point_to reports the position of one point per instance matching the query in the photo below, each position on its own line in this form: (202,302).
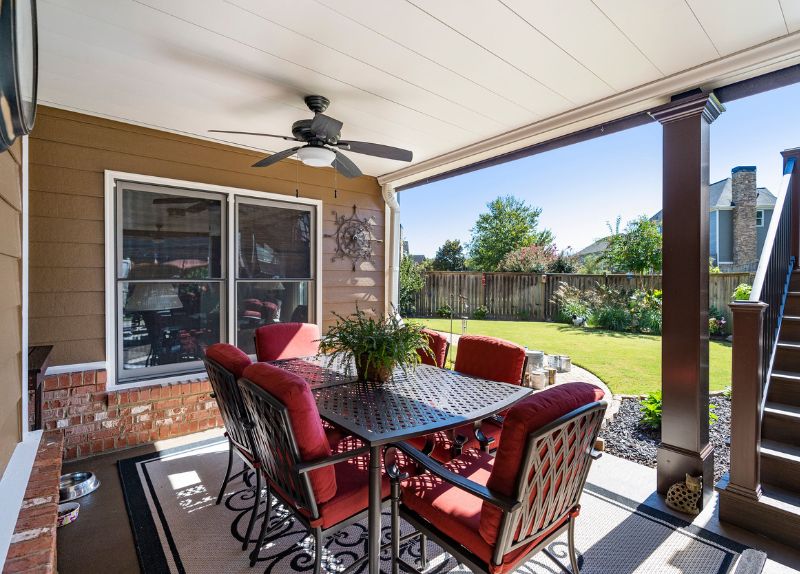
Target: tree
(637,249)
(450,257)
(509,225)
(411,283)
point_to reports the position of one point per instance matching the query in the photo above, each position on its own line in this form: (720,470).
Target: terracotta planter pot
(373,373)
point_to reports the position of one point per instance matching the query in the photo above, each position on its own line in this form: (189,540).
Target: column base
(674,463)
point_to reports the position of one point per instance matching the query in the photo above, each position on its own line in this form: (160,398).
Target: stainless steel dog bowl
(76,484)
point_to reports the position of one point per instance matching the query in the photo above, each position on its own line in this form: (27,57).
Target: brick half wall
(95,420)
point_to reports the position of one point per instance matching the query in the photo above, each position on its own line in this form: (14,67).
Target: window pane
(266,302)
(168,323)
(169,236)
(273,242)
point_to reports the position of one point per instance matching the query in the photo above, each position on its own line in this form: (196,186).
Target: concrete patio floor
(101,540)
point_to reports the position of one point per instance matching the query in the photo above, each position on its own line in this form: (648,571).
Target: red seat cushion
(530,414)
(490,358)
(229,357)
(312,442)
(352,491)
(438,344)
(456,513)
(286,341)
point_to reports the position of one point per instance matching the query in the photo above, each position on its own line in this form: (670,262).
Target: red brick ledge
(33,544)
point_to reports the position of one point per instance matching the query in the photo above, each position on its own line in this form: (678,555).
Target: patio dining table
(415,402)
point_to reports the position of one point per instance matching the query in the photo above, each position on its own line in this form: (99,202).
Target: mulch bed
(627,438)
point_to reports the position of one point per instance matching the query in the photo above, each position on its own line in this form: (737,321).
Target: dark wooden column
(684,344)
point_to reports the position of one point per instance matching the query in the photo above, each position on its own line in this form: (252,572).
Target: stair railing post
(747,389)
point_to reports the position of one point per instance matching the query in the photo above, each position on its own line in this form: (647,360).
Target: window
(760,218)
(188,273)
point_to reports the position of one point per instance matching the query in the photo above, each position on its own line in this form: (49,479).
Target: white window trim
(762,217)
(110,265)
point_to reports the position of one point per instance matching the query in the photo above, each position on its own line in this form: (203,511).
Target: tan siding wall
(10,302)
(69,153)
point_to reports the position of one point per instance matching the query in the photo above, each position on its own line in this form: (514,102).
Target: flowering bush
(530,259)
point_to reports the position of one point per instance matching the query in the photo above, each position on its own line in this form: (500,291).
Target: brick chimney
(743,196)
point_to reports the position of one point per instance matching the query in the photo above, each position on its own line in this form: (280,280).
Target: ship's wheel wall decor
(354,238)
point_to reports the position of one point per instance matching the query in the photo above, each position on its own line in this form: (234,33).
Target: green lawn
(628,363)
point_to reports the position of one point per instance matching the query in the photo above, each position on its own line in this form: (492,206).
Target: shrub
(524,315)
(742,292)
(570,302)
(480,312)
(717,325)
(652,406)
(444,311)
(612,309)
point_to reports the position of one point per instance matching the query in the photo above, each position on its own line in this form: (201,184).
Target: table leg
(374,521)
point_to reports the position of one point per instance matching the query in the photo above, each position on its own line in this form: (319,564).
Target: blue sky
(581,187)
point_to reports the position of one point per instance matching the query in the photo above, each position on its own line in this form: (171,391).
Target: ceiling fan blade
(287,138)
(276,157)
(325,127)
(377,150)
(345,165)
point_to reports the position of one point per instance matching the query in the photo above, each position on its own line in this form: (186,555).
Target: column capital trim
(705,104)
(748,306)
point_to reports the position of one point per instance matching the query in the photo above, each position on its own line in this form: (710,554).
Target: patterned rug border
(152,556)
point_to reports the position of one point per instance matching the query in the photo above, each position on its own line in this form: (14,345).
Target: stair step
(782,423)
(776,514)
(784,388)
(781,451)
(780,464)
(793,345)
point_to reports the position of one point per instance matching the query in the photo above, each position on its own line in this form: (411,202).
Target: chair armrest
(310,465)
(501,501)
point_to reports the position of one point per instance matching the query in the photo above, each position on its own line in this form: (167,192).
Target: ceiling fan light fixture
(316,156)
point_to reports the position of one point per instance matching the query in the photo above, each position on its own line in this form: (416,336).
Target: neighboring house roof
(418,259)
(720,197)
(598,246)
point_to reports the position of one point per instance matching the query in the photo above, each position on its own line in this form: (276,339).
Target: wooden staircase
(762,491)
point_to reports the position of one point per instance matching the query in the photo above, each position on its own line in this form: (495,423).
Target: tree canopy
(508,225)
(637,249)
(450,257)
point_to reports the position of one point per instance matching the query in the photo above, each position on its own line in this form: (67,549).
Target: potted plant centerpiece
(374,345)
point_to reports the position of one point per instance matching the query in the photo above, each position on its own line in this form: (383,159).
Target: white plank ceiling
(431,76)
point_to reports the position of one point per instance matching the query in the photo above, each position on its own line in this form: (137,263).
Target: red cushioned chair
(493,513)
(326,491)
(438,349)
(225,364)
(488,358)
(286,341)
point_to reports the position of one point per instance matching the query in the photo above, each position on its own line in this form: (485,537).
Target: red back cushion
(286,341)
(294,393)
(490,358)
(229,357)
(525,417)
(438,344)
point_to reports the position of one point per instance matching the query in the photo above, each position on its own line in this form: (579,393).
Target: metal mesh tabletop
(423,400)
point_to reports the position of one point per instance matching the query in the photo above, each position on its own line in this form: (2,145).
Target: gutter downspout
(392,247)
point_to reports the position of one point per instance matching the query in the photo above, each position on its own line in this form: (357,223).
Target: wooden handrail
(772,232)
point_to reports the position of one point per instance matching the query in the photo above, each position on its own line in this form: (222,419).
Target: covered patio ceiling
(439,77)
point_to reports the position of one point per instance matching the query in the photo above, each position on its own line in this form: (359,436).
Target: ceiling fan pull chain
(335,181)
(297,179)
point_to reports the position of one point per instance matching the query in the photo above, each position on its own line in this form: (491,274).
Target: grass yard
(628,363)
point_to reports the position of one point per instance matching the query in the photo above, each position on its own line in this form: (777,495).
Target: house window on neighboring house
(177,290)
(760,218)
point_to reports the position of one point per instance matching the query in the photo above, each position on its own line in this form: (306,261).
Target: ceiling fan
(322,144)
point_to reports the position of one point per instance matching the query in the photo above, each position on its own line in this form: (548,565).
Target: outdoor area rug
(170,499)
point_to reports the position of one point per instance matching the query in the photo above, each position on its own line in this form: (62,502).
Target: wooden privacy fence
(528,296)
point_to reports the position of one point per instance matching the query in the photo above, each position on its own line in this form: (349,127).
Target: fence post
(745,471)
